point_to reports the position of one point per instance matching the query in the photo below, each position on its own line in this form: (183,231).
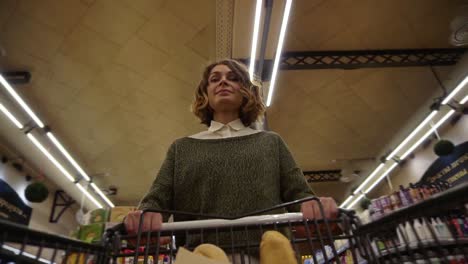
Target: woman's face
(224,89)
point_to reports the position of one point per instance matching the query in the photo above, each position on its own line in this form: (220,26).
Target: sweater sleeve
(161,193)
(293,183)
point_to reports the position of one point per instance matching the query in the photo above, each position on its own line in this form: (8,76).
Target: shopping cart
(314,241)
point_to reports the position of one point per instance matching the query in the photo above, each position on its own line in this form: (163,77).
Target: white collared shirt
(219,130)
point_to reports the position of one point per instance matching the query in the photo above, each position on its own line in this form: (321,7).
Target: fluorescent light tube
(11,117)
(346,201)
(253,52)
(423,123)
(279,49)
(455,91)
(50,157)
(381,177)
(428,133)
(369,178)
(103,196)
(90,197)
(355,201)
(464,100)
(67,155)
(20,101)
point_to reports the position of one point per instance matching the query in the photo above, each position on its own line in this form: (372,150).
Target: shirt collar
(235,125)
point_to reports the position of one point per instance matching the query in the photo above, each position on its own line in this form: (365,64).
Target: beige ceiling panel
(140,102)
(49,92)
(147,8)
(436,34)
(345,40)
(303,7)
(119,79)
(319,25)
(187,66)
(16,59)
(343,103)
(7,7)
(204,42)
(388,33)
(359,14)
(88,2)
(293,43)
(196,13)
(141,57)
(99,98)
(31,36)
(89,47)
(179,111)
(380,91)
(63,16)
(122,152)
(168,88)
(329,128)
(167,32)
(141,137)
(351,77)
(244,14)
(418,11)
(113,20)
(309,80)
(416,84)
(152,156)
(71,72)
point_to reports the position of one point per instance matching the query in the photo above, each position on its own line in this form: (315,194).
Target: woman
(230,169)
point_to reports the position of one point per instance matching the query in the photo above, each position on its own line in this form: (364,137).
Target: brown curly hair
(252,104)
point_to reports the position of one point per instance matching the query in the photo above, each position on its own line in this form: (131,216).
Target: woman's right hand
(151,222)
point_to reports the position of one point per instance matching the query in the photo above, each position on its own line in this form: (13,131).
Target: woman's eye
(233,78)
(214,79)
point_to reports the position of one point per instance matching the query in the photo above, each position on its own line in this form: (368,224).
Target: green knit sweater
(228,177)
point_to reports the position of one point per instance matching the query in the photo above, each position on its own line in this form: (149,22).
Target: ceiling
(114,78)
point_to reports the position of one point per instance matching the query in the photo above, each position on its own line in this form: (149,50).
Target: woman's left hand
(311,209)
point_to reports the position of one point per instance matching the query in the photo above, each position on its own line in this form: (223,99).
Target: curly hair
(252,104)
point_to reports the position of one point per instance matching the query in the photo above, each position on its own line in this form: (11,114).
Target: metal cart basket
(314,241)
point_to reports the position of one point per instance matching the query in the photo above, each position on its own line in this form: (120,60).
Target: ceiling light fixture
(346,201)
(50,157)
(355,201)
(11,116)
(103,196)
(464,100)
(381,177)
(20,101)
(253,52)
(407,139)
(284,23)
(90,197)
(369,178)
(428,133)
(54,140)
(456,90)
(67,155)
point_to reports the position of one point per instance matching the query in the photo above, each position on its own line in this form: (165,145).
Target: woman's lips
(224,91)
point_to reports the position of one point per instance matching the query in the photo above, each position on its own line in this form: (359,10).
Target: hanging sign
(12,207)
(452,168)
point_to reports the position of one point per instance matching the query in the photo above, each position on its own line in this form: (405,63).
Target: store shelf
(425,246)
(437,204)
